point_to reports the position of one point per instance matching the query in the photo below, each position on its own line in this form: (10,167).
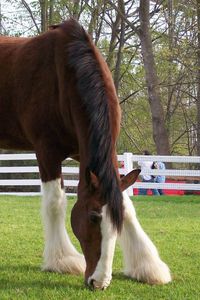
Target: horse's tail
(87,65)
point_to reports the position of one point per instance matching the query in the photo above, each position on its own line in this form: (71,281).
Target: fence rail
(128,160)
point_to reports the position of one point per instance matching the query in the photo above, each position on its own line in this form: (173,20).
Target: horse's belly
(11,138)
(9,144)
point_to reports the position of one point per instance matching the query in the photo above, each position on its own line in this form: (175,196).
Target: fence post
(128,166)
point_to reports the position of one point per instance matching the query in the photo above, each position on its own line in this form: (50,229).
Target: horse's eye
(95,217)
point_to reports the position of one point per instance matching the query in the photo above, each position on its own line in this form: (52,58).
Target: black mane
(91,88)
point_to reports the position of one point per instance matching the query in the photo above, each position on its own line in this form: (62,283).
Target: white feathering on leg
(141,258)
(59,253)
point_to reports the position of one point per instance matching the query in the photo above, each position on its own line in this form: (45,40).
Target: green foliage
(172,222)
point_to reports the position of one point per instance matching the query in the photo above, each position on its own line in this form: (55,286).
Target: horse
(57,98)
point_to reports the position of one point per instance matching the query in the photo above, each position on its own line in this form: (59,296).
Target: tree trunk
(76,9)
(170,75)
(159,131)
(43,4)
(0,20)
(93,21)
(113,41)
(51,10)
(198,80)
(120,48)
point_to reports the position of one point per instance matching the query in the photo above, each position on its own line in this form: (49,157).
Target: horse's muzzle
(97,285)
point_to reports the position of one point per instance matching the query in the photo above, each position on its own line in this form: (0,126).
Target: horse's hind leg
(59,253)
(141,258)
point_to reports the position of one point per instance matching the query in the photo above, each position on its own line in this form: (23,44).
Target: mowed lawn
(173,223)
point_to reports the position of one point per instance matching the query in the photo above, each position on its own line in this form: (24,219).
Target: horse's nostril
(90,283)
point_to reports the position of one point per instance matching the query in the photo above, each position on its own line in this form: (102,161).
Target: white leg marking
(103,273)
(59,253)
(141,258)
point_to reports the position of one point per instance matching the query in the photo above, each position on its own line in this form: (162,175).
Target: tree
(159,131)
(198,79)
(0,20)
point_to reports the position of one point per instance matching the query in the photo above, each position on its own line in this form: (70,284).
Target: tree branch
(31,14)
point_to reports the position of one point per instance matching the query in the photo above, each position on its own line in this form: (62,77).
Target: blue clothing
(160,178)
(144,191)
(160,166)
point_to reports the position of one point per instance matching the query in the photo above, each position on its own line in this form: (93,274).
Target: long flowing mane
(91,86)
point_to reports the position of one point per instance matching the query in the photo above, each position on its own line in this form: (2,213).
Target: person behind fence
(159,178)
(145,165)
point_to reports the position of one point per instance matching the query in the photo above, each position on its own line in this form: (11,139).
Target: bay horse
(57,98)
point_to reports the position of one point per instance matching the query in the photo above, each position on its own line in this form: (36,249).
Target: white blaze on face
(102,275)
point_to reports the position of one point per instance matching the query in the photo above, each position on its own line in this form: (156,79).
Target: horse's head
(94,229)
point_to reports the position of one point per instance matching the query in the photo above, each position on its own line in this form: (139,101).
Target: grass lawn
(173,224)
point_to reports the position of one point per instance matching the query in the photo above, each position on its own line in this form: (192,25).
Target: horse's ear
(94,181)
(54,26)
(129,179)
(91,179)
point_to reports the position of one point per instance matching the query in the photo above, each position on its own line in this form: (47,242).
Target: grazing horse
(57,98)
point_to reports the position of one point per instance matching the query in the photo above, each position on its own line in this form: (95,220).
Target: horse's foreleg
(59,254)
(141,258)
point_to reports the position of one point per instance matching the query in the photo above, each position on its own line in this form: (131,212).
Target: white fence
(128,160)
(131,160)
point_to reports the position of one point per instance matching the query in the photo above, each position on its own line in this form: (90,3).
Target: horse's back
(38,85)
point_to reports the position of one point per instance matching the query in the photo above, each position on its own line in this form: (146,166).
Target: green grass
(173,224)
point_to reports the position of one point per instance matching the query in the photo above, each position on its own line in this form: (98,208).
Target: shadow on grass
(19,268)
(31,277)
(27,276)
